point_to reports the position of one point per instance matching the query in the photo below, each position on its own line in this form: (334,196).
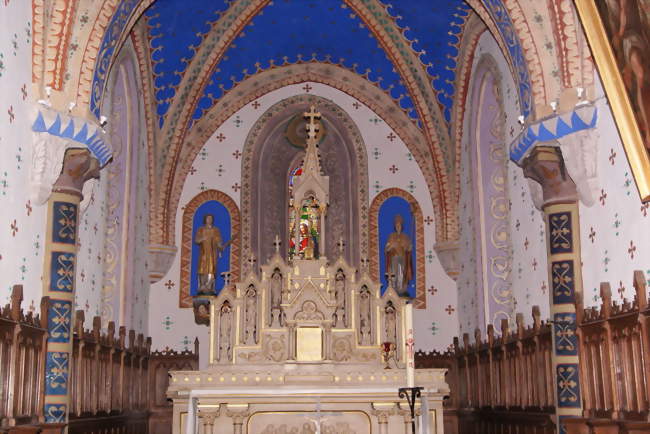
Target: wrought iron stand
(411,394)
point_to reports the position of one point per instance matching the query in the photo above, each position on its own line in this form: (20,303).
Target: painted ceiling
(291,31)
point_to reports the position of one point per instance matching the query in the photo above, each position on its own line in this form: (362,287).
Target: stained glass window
(304,222)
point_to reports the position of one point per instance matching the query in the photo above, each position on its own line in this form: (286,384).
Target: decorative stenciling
(64,223)
(106,51)
(561,232)
(75,129)
(546,130)
(566,340)
(509,34)
(568,385)
(59,318)
(56,373)
(562,275)
(62,271)
(55,413)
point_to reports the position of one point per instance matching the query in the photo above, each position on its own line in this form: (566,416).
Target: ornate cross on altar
(277,243)
(341,245)
(312,127)
(251,262)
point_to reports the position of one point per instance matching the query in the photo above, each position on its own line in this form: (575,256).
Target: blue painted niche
(387,211)
(222,221)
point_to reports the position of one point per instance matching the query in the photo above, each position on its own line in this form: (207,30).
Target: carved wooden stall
(22,362)
(614,352)
(160,364)
(118,385)
(505,383)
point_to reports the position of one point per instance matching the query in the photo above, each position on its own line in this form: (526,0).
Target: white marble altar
(306,345)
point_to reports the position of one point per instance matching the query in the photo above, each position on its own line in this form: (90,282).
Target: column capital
(545,165)
(54,133)
(449,256)
(208,415)
(160,259)
(78,167)
(238,413)
(383,411)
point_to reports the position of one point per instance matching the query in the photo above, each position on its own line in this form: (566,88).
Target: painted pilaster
(545,165)
(59,276)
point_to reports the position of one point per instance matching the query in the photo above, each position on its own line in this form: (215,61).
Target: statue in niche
(225,332)
(276,298)
(250,317)
(276,289)
(390,316)
(399,267)
(364,316)
(339,296)
(208,237)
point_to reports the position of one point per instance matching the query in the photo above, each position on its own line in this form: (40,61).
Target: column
(208,415)
(59,277)
(238,413)
(545,165)
(383,410)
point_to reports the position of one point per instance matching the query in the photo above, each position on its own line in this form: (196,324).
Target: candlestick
(409,343)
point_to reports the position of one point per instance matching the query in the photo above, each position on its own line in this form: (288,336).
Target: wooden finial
(79,319)
(97,325)
(111,332)
(16,301)
(641,288)
(122,334)
(606,295)
(537,322)
(519,320)
(45,305)
(505,328)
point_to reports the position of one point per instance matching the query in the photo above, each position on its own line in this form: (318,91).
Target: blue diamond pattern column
(546,166)
(59,277)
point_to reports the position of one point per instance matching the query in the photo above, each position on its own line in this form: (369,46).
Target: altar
(308,344)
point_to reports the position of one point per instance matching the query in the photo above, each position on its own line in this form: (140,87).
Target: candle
(409,343)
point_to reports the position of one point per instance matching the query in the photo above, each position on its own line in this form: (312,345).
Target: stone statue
(225,332)
(364,316)
(390,316)
(399,266)
(208,238)
(339,296)
(250,315)
(276,289)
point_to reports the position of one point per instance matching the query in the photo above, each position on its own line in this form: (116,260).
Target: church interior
(325,216)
